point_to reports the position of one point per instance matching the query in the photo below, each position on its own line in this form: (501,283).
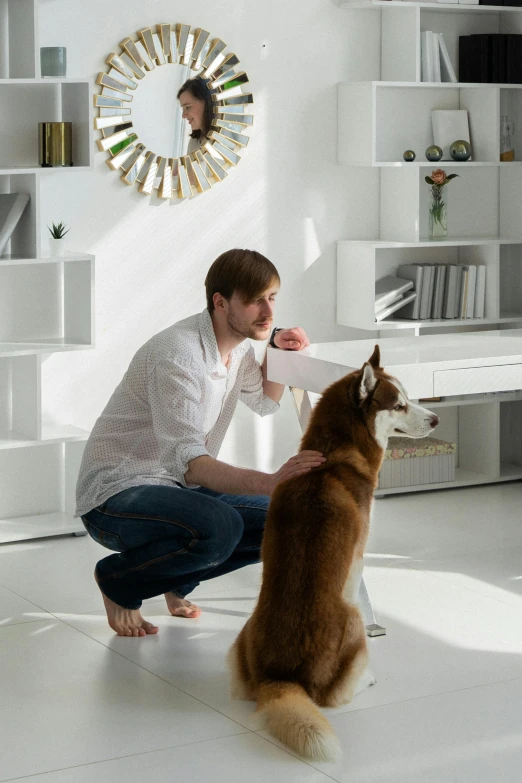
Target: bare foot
(126,622)
(180,607)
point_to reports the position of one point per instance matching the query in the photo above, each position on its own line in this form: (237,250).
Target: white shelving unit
(46,303)
(380,119)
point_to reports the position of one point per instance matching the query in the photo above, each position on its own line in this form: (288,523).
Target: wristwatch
(274,332)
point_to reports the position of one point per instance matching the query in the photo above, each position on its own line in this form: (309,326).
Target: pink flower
(438,176)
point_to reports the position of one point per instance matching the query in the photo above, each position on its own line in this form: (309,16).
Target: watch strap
(274,332)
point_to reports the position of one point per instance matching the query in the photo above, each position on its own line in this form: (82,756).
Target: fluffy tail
(293,719)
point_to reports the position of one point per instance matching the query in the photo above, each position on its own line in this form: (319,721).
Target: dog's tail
(293,719)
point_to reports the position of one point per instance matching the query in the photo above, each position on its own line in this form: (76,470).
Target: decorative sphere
(460,150)
(433,153)
(409,156)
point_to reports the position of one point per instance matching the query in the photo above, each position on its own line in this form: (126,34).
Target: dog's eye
(399,407)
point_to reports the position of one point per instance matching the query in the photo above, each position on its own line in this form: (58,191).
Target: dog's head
(387,407)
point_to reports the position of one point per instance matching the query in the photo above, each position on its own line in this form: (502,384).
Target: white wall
(288,198)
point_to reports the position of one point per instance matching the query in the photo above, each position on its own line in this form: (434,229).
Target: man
(150,485)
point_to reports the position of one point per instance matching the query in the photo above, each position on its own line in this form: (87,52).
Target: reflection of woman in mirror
(198,109)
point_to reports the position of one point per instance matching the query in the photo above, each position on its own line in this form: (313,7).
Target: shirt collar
(213,363)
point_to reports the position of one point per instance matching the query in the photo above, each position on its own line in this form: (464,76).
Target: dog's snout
(434,420)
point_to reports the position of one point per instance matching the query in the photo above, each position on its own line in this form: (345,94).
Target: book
(438,295)
(480,291)
(470,298)
(513,58)
(480,57)
(426,294)
(406,298)
(12,206)
(451,291)
(464,58)
(415,273)
(446,67)
(435,53)
(426,57)
(463,294)
(389,289)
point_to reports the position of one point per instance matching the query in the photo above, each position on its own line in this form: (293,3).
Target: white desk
(428,366)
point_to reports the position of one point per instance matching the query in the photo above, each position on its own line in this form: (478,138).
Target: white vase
(57,246)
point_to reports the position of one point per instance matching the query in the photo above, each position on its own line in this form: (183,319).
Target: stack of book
(442,291)
(491,57)
(436,65)
(408,462)
(392,293)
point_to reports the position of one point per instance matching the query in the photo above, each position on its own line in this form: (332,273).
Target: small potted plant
(56,242)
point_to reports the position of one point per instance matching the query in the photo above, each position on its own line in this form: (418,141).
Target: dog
(305,643)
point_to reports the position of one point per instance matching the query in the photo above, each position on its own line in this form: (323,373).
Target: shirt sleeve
(252,393)
(175,396)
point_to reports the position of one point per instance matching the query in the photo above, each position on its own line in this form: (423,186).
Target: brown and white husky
(305,644)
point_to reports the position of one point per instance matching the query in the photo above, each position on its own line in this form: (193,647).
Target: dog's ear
(368,381)
(375,358)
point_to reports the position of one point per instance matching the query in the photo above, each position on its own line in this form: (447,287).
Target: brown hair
(245,272)
(198,89)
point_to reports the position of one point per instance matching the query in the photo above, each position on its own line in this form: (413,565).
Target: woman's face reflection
(193,110)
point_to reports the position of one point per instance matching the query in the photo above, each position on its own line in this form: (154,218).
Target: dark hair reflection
(198,89)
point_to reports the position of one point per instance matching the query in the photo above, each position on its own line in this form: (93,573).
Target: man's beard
(243,330)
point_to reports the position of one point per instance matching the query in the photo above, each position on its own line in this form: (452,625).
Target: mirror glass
(156,111)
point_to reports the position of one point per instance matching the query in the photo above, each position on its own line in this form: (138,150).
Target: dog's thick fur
(305,644)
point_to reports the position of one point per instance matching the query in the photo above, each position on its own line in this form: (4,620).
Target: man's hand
(292,339)
(296,466)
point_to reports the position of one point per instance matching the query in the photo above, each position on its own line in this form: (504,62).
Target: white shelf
(405,323)
(54,434)
(437,85)
(49,346)
(424,242)
(463,478)
(437,7)
(39,526)
(43,170)
(475,399)
(13,260)
(431,164)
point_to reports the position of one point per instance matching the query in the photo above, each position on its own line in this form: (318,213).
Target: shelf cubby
(47,303)
(489,448)
(361,264)
(26,102)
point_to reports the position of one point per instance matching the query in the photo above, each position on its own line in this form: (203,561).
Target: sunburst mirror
(180,134)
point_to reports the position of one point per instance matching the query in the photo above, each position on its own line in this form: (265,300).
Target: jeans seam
(149,562)
(128,515)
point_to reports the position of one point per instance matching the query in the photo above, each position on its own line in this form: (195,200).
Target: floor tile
(57,573)
(496,575)
(228,760)
(473,736)
(189,653)
(437,524)
(14,609)
(69,701)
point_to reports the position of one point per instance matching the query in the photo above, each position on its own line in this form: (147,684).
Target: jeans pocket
(108,540)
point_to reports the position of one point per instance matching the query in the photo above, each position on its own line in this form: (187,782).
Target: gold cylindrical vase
(55,144)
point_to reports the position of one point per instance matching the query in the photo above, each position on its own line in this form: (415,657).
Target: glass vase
(438,212)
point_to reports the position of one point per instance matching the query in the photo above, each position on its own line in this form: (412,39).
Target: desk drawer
(476,380)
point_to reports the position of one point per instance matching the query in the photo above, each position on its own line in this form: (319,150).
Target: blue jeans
(170,539)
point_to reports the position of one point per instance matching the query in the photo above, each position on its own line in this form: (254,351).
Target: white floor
(444,570)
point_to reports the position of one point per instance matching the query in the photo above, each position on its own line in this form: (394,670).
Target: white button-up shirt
(174,404)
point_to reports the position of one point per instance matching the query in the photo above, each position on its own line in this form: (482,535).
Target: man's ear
(219,301)
(368,381)
(375,358)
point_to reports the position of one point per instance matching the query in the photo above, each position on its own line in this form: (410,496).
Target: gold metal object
(55,144)
(207,58)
